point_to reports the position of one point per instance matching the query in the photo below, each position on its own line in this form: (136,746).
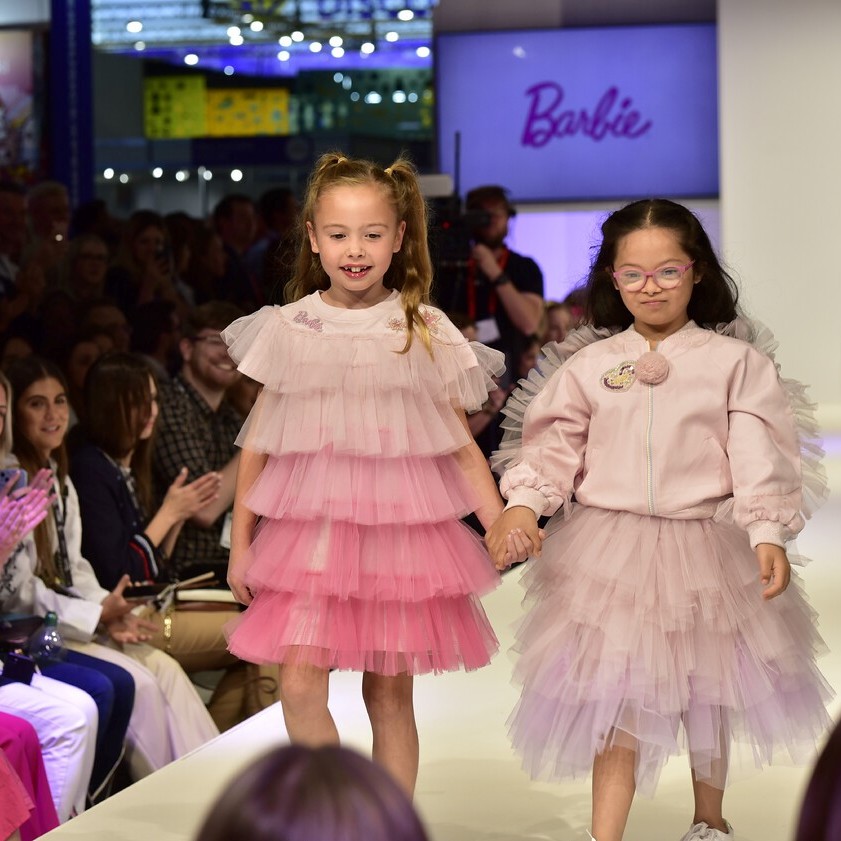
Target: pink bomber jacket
(718,427)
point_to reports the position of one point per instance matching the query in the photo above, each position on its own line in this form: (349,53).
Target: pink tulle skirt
(652,634)
(362,564)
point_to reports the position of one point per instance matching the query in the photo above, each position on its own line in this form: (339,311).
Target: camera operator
(503,290)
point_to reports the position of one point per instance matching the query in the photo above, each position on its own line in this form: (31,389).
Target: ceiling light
(134,26)
(284,41)
(405,14)
(354,97)
(257,26)
(423,52)
(412,97)
(367,48)
(336,41)
(338,77)
(157,172)
(399,97)
(140,46)
(373,98)
(191,59)
(182,175)
(315,47)
(247,18)
(392,36)
(237,40)
(108,174)
(283,55)
(234,30)
(297,35)
(123,178)
(229,70)
(337,52)
(347,83)
(207,175)
(236,175)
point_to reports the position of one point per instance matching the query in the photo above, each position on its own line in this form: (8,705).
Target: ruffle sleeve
(545,434)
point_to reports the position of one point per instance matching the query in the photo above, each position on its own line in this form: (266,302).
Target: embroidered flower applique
(431,319)
(313,322)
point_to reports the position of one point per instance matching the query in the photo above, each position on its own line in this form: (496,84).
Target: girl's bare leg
(391,710)
(613,792)
(709,798)
(303,696)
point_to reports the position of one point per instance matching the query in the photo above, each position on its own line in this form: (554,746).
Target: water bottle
(46,645)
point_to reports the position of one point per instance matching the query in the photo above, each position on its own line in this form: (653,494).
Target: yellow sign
(244,112)
(174,106)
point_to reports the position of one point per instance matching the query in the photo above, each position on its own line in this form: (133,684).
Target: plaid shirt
(190,434)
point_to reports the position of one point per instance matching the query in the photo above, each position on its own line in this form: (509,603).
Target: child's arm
(242,526)
(514,536)
(475,468)
(774,567)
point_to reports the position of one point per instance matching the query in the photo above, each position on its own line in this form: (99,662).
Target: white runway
(471,787)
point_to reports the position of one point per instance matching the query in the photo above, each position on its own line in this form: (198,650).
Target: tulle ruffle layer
(652,634)
(367,491)
(388,424)
(386,637)
(460,371)
(388,562)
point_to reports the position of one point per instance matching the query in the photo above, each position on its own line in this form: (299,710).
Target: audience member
(119,537)
(278,216)
(48,572)
(207,266)
(235,220)
(104,316)
(296,793)
(155,333)
(86,268)
(558,321)
(196,430)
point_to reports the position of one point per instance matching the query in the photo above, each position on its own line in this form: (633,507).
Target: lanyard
(62,557)
(472,280)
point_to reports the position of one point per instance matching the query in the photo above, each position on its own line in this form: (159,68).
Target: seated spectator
(296,793)
(104,316)
(155,333)
(142,269)
(267,259)
(85,269)
(119,537)
(235,220)
(558,321)
(197,429)
(207,265)
(20,753)
(48,572)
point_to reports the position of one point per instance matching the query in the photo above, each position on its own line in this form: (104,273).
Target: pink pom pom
(652,368)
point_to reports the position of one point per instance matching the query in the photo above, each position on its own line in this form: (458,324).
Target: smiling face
(42,415)
(206,362)
(657,312)
(355,232)
(149,428)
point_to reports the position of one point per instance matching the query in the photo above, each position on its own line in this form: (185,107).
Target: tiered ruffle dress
(648,630)
(359,559)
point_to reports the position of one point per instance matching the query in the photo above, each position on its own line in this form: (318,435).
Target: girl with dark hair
(112,475)
(664,609)
(49,572)
(358,464)
(301,794)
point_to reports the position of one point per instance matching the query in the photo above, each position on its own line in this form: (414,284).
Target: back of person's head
(714,297)
(150,322)
(297,793)
(410,271)
(820,814)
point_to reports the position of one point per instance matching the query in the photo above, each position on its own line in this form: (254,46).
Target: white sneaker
(704,832)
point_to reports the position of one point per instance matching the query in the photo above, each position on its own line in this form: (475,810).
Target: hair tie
(388,171)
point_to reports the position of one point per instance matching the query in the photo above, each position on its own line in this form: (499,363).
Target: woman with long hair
(124,533)
(50,573)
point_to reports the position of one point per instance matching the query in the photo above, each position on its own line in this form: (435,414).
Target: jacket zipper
(648,451)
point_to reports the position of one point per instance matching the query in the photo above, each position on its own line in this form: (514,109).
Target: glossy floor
(471,787)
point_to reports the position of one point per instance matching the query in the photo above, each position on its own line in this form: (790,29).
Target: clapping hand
(184,499)
(22,510)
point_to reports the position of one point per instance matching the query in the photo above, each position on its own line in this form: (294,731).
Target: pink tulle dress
(647,628)
(359,559)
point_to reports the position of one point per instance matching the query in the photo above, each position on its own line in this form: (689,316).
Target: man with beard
(197,430)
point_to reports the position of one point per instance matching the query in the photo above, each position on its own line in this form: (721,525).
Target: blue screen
(581,114)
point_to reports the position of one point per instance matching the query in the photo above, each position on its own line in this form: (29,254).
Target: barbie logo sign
(613,115)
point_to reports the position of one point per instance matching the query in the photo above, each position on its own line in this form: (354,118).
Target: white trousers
(65,719)
(169,717)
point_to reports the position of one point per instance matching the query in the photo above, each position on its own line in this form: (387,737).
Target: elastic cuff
(528,497)
(766,531)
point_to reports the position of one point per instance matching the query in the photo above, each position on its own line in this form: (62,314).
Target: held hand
(486,261)
(529,537)
(184,500)
(114,605)
(237,566)
(130,629)
(774,569)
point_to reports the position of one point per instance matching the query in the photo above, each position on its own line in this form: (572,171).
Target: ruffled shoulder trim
(815,487)
(554,356)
